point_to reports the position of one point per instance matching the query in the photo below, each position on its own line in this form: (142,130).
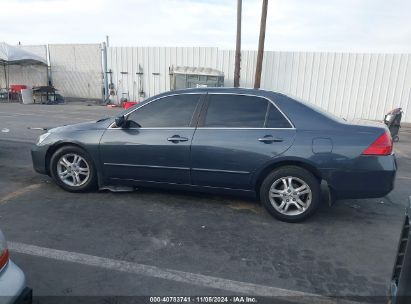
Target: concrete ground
(156,243)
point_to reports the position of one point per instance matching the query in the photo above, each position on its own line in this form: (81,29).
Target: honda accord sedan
(241,141)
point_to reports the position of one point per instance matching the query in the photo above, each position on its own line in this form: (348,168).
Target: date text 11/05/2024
(204,299)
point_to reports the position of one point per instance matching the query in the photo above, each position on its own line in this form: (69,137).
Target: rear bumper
(38,157)
(370,177)
(13,285)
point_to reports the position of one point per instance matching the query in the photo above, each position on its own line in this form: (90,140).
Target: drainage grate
(400,289)
(402,249)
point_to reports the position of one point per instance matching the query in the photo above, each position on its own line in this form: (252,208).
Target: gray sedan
(240,141)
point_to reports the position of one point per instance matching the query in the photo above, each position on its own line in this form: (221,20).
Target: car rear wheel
(290,193)
(72,169)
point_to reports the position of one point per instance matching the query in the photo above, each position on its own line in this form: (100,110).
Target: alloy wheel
(73,170)
(290,195)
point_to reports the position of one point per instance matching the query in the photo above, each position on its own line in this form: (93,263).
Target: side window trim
(195,119)
(204,109)
(202,117)
(267,114)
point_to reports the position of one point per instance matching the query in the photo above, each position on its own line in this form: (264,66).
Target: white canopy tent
(11,55)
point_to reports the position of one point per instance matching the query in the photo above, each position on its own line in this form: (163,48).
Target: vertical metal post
(5,80)
(8,82)
(105,78)
(238,46)
(261,41)
(49,75)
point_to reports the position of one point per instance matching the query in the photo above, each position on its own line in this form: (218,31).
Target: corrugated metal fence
(154,63)
(346,84)
(76,69)
(350,85)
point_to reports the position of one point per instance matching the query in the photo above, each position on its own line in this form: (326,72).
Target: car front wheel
(290,193)
(72,169)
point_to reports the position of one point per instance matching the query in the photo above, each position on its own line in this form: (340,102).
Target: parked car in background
(242,141)
(13,289)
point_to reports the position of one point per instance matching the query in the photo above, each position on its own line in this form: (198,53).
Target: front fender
(88,140)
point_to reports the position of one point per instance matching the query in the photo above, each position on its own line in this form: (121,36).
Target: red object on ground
(129,104)
(16,88)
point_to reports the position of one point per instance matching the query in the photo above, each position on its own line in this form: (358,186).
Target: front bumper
(13,285)
(38,156)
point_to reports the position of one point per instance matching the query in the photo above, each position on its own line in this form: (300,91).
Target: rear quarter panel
(348,173)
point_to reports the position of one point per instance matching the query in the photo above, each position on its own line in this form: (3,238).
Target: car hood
(85,126)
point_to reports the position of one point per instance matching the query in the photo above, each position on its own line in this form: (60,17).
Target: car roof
(229,90)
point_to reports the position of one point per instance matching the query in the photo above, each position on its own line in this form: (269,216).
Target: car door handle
(268,139)
(177,138)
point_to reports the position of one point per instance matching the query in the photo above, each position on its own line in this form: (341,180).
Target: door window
(236,111)
(168,112)
(276,119)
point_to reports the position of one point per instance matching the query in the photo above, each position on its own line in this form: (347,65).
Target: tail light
(382,146)
(4,252)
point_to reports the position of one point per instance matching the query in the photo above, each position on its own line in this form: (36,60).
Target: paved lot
(174,243)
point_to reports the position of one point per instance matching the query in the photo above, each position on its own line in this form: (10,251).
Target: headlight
(42,137)
(4,252)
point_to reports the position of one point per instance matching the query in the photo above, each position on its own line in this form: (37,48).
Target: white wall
(76,70)
(152,60)
(350,85)
(346,84)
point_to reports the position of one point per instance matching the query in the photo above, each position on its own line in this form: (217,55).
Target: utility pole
(238,46)
(261,41)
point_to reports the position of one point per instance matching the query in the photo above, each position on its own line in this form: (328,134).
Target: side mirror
(120,121)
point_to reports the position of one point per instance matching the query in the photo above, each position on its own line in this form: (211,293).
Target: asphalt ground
(167,243)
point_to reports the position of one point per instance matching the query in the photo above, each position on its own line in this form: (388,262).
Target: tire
(275,195)
(71,161)
(396,138)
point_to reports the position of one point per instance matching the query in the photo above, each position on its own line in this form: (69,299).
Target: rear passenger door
(235,136)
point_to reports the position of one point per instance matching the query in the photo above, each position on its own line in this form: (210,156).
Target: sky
(304,25)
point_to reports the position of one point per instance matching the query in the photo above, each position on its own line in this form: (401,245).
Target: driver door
(155,146)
